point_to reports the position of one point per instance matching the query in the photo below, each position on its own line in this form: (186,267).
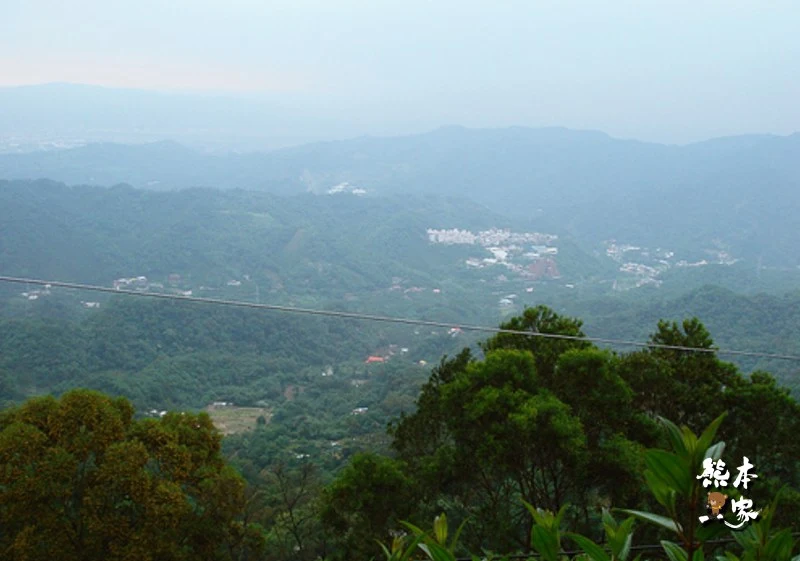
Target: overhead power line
(389,319)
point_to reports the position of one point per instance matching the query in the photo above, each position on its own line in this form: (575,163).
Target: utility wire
(389,319)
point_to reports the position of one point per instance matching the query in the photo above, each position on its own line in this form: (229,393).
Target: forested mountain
(353,252)
(722,194)
(370,253)
(739,322)
(305,401)
(410,281)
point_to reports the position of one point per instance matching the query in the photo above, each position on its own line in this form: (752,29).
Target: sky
(671,71)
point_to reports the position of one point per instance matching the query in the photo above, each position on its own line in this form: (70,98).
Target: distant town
(642,266)
(528,254)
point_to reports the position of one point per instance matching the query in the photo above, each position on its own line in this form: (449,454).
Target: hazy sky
(672,70)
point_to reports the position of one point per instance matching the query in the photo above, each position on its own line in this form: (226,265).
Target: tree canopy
(84,480)
(555,422)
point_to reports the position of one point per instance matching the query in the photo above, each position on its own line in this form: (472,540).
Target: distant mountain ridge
(739,193)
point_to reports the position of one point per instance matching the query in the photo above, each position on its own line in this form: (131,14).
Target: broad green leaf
(438,553)
(689,440)
(656,519)
(710,532)
(670,469)
(417,531)
(594,551)
(674,551)
(674,435)
(535,514)
(560,516)
(780,545)
(715,452)
(623,552)
(545,543)
(705,440)
(608,520)
(745,537)
(661,491)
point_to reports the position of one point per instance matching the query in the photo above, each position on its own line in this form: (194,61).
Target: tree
(684,386)
(296,531)
(486,434)
(546,350)
(587,381)
(422,439)
(365,502)
(83,480)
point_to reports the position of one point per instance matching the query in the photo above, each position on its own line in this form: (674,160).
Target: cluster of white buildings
(650,264)
(345,187)
(138,283)
(35,294)
(504,246)
(486,238)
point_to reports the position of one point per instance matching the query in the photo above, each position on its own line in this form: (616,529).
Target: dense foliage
(516,420)
(553,422)
(83,480)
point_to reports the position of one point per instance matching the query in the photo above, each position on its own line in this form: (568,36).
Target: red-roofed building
(374,359)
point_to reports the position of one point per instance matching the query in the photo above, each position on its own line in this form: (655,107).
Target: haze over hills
(64,114)
(289,281)
(731,195)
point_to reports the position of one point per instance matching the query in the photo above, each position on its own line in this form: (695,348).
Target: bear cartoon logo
(716,501)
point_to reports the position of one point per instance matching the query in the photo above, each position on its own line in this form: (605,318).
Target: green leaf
(385,551)
(457,535)
(675,436)
(715,452)
(440,528)
(545,543)
(608,520)
(780,545)
(705,440)
(745,538)
(661,491)
(656,519)
(417,531)
(669,468)
(674,551)
(623,552)
(594,551)
(437,553)
(689,440)
(426,549)
(560,516)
